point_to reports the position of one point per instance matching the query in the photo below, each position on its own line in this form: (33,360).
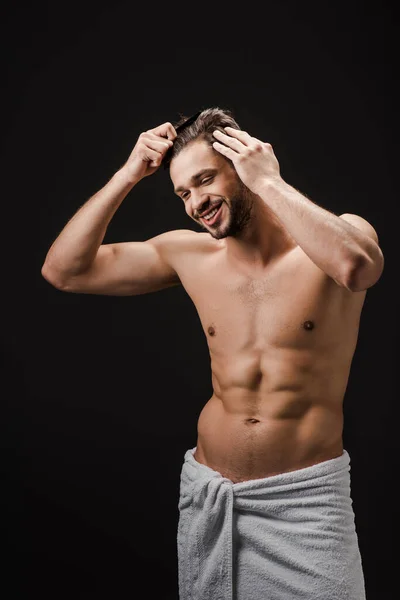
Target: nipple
(211,330)
(308,325)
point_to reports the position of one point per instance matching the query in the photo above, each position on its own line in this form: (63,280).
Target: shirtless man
(279,284)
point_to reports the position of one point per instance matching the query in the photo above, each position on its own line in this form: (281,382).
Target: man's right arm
(78,262)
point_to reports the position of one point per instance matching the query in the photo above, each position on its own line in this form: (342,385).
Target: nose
(199,203)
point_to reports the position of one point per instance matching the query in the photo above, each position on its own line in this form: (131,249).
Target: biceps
(125,269)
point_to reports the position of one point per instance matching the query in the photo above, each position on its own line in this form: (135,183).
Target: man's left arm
(346,247)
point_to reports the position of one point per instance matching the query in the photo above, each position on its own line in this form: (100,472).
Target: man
(279,284)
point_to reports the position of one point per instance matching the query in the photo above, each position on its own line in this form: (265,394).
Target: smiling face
(206,181)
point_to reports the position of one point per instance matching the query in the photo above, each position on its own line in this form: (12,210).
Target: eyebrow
(194,180)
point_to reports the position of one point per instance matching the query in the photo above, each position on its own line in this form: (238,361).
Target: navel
(308,325)
(252,421)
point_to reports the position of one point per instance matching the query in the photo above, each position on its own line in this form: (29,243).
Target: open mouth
(215,215)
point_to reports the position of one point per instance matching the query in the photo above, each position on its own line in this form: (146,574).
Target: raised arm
(78,262)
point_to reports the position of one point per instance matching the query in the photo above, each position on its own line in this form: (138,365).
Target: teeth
(211,214)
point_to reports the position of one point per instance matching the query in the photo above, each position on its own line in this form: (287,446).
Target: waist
(257,441)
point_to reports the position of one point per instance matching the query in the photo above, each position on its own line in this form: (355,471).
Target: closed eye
(204,181)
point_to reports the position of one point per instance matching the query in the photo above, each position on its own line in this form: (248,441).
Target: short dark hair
(202,127)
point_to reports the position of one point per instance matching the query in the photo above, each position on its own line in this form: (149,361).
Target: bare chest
(292,305)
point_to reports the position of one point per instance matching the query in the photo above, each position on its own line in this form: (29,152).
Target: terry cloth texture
(290,536)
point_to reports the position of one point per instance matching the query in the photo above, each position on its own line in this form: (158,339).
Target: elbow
(365,272)
(51,277)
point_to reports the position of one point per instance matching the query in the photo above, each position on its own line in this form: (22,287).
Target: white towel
(290,536)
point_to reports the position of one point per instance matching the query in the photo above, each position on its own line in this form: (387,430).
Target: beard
(238,219)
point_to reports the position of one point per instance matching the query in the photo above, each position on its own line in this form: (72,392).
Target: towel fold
(290,536)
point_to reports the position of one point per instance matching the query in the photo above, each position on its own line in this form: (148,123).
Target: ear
(361,224)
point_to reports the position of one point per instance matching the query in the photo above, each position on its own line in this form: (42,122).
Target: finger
(149,155)
(166,130)
(156,142)
(243,136)
(228,141)
(228,152)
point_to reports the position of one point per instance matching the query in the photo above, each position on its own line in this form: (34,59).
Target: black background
(101,394)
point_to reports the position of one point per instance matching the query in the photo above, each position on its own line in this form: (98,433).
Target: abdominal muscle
(278,384)
(252,434)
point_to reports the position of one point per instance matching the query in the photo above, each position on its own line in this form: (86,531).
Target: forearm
(75,248)
(334,245)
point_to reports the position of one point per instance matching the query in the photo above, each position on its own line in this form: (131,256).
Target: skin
(278,284)
(281,334)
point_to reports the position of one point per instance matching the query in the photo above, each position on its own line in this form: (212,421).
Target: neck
(263,239)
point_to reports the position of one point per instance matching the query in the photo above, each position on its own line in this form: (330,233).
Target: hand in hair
(149,151)
(254,161)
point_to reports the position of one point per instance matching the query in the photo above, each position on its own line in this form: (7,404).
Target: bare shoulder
(172,237)
(361,224)
(171,244)
(301,258)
